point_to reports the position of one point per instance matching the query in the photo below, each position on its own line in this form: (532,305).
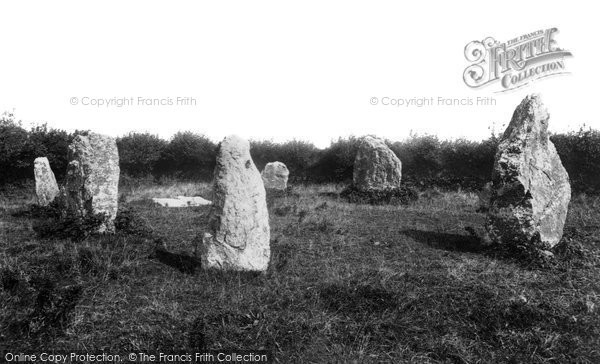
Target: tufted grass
(346,283)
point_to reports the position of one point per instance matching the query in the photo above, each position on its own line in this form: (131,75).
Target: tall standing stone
(376,167)
(92,180)
(46,187)
(239,233)
(275,176)
(530,187)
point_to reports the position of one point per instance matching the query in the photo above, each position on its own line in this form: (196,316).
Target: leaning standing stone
(239,234)
(92,180)
(46,187)
(530,187)
(376,167)
(275,176)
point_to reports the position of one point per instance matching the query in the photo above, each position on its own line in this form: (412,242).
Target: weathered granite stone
(275,176)
(376,167)
(530,187)
(92,180)
(239,234)
(46,187)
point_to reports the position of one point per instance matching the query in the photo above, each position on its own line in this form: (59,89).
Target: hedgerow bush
(580,154)
(19,147)
(420,156)
(187,156)
(335,163)
(139,153)
(297,155)
(427,161)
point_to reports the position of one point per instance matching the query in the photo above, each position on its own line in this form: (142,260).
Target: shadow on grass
(184,263)
(358,299)
(190,265)
(446,241)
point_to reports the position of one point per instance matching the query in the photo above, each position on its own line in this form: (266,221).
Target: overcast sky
(281,70)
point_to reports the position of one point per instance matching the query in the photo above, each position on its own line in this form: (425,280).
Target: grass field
(347,283)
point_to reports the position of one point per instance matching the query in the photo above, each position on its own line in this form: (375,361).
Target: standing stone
(239,234)
(92,181)
(530,186)
(275,176)
(46,187)
(376,167)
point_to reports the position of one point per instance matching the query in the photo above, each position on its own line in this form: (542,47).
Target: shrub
(336,163)
(420,156)
(139,153)
(297,155)
(468,159)
(19,148)
(580,154)
(188,156)
(50,143)
(426,161)
(13,139)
